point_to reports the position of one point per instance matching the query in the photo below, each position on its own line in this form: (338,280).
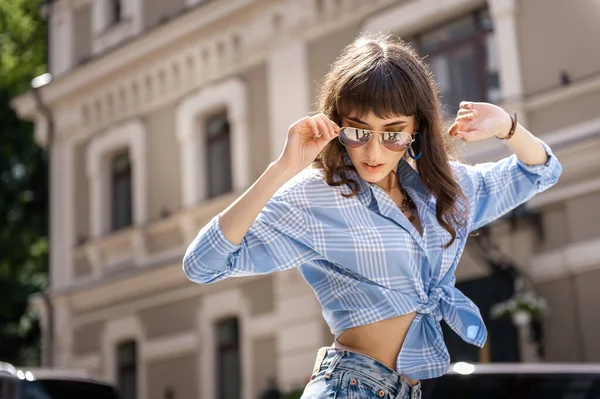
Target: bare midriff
(381,340)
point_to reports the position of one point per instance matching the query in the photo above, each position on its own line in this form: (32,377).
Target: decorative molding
(215,307)
(232,96)
(105,35)
(131,135)
(155,82)
(171,346)
(115,332)
(67,224)
(112,35)
(101,291)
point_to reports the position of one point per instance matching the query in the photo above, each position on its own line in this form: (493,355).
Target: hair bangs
(381,88)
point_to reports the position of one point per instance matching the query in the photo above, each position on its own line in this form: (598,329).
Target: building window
(463,57)
(228,353)
(127,369)
(121,191)
(115,12)
(218,155)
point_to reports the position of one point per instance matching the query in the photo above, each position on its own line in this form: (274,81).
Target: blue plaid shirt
(365,261)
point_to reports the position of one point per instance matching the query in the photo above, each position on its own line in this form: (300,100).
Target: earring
(410,153)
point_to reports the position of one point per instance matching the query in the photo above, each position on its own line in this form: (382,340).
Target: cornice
(134,79)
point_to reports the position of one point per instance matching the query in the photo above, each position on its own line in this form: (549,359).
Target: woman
(377,225)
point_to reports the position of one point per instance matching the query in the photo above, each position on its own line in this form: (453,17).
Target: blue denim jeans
(340,374)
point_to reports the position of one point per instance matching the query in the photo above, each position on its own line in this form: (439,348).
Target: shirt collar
(410,179)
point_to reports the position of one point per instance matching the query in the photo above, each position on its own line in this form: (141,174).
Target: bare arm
(479,121)
(300,150)
(237,219)
(258,234)
(526,146)
(494,188)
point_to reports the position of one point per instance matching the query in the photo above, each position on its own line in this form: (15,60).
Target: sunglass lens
(353,137)
(396,141)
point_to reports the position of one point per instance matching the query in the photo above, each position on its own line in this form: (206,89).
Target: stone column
(504,14)
(288,94)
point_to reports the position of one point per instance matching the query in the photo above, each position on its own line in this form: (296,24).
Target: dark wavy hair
(380,73)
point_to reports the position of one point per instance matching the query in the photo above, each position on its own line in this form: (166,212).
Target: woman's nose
(374,146)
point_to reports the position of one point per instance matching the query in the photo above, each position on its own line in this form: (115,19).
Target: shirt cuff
(217,240)
(539,169)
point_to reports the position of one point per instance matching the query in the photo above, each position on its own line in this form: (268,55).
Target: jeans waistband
(331,359)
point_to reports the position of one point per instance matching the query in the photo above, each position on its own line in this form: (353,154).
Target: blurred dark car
(516,381)
(30,383)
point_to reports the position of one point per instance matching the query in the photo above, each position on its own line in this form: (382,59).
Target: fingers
(323,129)
(327,127)
(467,111)
(467,104)
(453,131)
(315,129)
(465,116)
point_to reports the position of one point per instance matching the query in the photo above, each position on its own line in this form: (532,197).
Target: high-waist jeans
(340,374)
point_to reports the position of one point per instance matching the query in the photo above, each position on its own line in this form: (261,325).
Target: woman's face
(374,153)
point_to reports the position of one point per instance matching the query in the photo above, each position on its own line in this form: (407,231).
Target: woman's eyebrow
(394,123)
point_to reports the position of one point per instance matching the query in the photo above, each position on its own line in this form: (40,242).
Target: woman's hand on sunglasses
(306,139)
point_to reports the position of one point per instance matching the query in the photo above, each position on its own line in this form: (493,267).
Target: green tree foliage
(23,183)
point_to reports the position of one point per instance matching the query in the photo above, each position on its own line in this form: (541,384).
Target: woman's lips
(372,169)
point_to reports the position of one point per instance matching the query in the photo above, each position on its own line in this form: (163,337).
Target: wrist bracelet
(513,127)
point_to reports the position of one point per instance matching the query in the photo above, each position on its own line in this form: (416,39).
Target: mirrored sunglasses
(353,137)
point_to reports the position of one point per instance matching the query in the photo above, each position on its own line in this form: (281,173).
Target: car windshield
(63,389)
(513,386)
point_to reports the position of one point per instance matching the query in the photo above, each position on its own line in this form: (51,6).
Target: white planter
(521,318)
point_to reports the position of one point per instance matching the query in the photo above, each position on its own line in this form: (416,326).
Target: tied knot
(433,302)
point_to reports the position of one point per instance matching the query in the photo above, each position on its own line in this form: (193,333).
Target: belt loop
(334,363)
(415,391)
(319,360)
(403,387)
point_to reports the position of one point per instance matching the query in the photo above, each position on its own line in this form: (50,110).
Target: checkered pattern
(365,261)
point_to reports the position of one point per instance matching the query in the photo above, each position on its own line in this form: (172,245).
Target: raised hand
(306,139)
(478,121)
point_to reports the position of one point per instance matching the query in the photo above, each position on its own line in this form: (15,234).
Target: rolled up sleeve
(277,240)
(492,189)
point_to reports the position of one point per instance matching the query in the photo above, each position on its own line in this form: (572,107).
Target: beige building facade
(165,111)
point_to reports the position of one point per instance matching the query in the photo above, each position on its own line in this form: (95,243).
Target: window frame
(210,140)
(115,10)
(132,136)
(114,203)
(133,365)
(232,95)
(222,348)
(478,42)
